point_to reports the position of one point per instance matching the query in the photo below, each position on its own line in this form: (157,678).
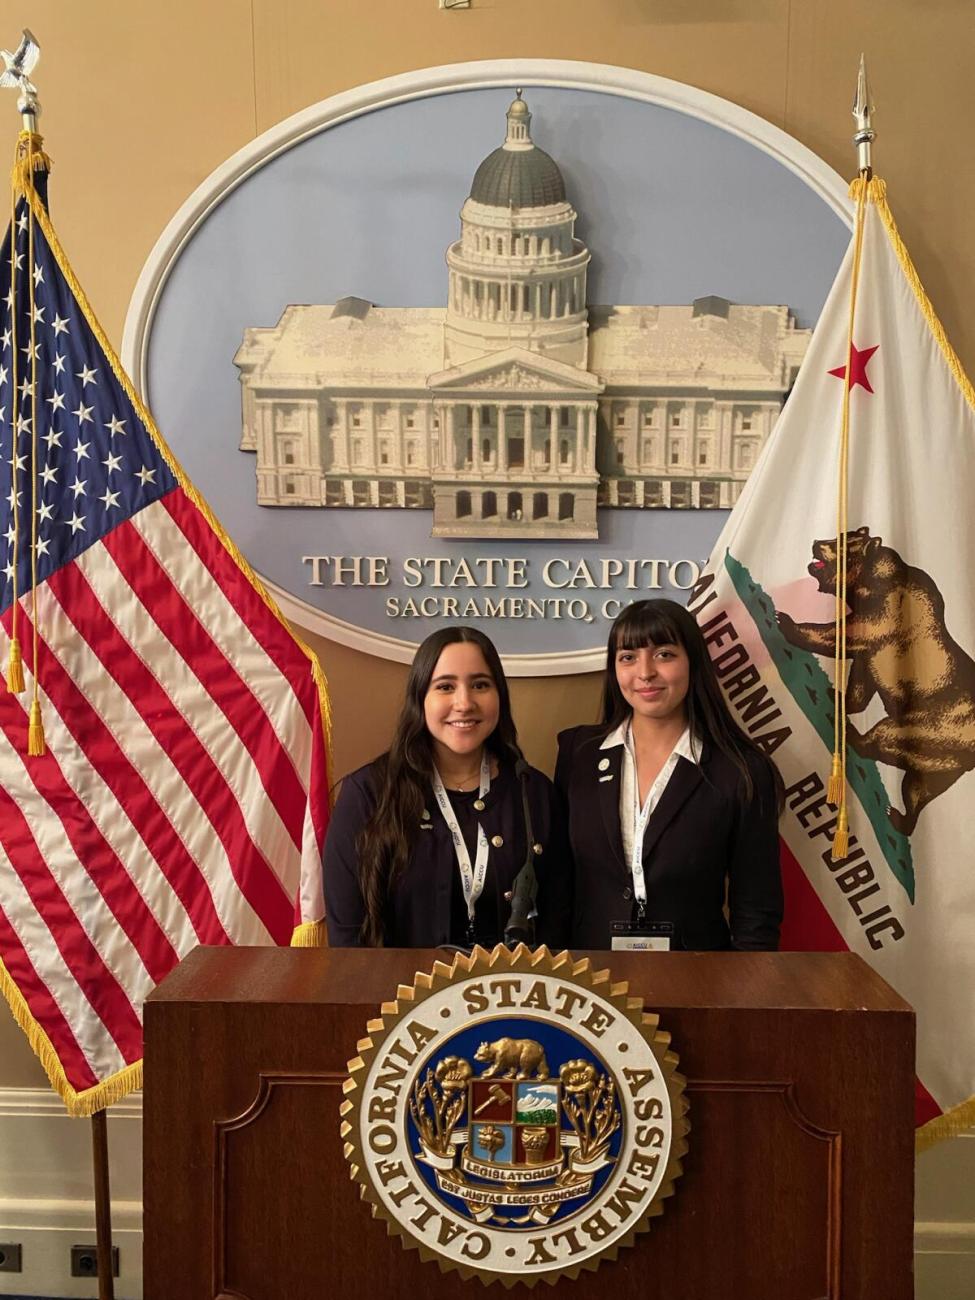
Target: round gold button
(603,764)
(536,849)
(479,805)
(497,841)
(425,815)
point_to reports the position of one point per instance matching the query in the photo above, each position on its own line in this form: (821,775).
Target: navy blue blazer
(703,841)
(422,909)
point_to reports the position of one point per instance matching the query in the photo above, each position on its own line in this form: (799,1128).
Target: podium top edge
(761,981)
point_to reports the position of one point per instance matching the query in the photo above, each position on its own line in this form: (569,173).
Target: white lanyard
(642,815)
(472,880)
(640,818)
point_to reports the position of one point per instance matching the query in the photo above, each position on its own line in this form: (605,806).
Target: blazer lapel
(683,782)
(609,800)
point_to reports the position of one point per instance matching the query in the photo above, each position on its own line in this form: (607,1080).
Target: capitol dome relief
(517,409)
(518,174)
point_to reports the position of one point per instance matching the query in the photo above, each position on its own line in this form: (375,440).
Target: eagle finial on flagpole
(17,69)
(863,110)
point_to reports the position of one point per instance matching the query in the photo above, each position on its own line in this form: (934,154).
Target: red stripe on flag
(104,868)
(925,1106)
(44,1009)
(269,632)
(127,785)
(229,691)
(808,927)
(254,877)
(82,958)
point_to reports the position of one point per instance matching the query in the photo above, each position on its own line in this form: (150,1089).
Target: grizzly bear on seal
(900,650)
(513,1058)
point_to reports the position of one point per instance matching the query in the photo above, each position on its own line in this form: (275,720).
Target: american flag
(183,795)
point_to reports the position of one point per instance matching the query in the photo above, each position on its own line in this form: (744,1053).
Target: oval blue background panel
(522,409)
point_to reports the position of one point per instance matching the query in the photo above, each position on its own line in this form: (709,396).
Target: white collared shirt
(686,747)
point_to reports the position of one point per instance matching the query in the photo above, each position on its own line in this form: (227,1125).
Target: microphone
(521,925)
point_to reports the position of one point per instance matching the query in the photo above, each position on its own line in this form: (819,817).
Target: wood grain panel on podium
(797,1184)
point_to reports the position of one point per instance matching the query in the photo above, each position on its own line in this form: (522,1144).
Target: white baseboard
(47,1197)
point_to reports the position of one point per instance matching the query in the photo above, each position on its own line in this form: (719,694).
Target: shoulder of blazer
(725,776)
(362,784)
(573,738)
(538,782)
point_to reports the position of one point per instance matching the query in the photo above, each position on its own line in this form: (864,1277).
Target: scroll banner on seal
(902,896)
(163,736)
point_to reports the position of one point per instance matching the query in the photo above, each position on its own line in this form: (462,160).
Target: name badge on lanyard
(471,878)
(641,815)
(644,936)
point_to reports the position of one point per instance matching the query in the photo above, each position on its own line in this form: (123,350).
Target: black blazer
(419,911)
(701,837)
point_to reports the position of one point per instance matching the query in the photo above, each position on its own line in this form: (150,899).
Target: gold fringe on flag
(310,934)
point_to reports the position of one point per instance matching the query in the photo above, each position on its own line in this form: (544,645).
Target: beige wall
(142,100)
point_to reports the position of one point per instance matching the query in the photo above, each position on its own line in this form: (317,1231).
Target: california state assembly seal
(515,1116)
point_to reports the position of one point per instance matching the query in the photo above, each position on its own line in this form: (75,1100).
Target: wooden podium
(798,1182)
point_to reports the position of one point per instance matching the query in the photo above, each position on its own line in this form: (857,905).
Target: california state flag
(903,895)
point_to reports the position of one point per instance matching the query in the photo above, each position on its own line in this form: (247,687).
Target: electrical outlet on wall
(84,1261)
(10,1257)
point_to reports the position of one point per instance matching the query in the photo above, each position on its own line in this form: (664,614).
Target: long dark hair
(664,622)
(404,774)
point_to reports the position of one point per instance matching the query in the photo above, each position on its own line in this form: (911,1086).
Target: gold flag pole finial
(863,111)
(16,74)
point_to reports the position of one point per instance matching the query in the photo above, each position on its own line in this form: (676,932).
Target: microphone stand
(521,921)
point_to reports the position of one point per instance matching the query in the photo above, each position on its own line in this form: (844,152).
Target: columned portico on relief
(518,439)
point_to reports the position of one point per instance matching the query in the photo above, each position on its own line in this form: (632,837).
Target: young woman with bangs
(427,842)
(672,809)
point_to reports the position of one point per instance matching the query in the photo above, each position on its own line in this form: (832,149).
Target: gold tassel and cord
(29,158)
(837,788)
(15,664)
(36,745)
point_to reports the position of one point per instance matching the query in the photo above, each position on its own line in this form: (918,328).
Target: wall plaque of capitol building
(517,410)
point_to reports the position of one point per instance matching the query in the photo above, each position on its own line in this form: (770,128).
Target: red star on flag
(858,367)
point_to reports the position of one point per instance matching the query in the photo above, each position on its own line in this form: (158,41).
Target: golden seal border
(525,960)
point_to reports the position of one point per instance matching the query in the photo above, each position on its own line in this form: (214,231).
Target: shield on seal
(514,1125)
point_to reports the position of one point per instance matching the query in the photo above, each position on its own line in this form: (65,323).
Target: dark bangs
(663,622)
(649,622)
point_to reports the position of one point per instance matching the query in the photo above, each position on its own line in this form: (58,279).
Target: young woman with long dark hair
(673,810)
(426,842)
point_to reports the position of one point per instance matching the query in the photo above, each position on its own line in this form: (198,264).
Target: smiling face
(461,705)
(654,681)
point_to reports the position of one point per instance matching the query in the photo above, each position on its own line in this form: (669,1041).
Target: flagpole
(837,787)
(103,1205)
(18,67)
